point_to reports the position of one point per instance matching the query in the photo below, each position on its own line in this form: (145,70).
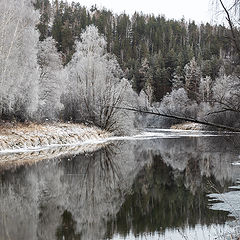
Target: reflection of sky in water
(148,134)
(199,232)
(228,201)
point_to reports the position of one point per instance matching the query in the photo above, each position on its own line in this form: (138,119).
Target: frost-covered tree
(18,58)
(225,101)
(177,103)
(226,93)
(52,79)
(205,89)
(95,87)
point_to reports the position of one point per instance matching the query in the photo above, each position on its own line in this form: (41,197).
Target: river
(155,185)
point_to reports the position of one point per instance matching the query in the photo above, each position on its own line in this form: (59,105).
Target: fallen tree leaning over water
(186,119)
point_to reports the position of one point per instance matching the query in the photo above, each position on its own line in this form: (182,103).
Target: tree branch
(228,18)
(232,129)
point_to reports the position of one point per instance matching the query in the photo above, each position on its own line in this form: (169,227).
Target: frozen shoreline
(36,137)
(41,137)
(28,144)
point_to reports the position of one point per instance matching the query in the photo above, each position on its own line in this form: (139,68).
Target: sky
(198,10)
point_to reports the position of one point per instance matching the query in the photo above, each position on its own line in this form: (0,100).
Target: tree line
(36,86)
(151,50)
(61,61)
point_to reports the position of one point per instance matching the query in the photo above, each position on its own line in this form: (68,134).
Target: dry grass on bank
(15,136)
(188,126)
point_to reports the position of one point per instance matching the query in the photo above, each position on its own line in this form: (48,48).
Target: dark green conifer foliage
(165,45)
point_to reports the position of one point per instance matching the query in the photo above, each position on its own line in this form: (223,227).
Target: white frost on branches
(205,88)
(18,57)
(226,93)
(52,78)
(34,84)
(177,103)
(95,84)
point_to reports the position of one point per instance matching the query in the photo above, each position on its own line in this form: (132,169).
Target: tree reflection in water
(137,186)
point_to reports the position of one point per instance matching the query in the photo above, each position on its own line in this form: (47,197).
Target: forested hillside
(61,61)
(151,50)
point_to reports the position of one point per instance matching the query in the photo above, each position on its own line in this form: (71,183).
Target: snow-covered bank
(18,138)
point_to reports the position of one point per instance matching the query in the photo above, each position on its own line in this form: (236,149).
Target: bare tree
(231,10)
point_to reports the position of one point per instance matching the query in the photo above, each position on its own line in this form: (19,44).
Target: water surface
(153,186)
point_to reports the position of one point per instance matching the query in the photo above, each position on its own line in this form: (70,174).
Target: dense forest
(151,50)
(62,61)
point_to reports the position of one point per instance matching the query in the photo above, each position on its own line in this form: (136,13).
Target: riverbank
(188,126)
(24,137)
